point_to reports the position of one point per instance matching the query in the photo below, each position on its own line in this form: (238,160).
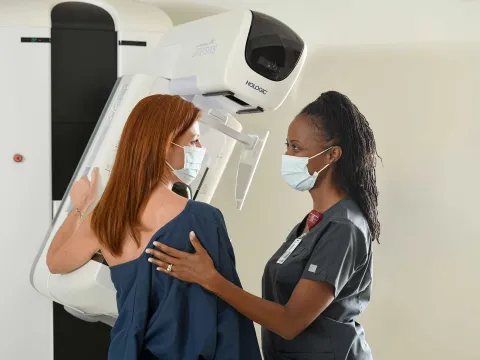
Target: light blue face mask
(192,162)
(295,171)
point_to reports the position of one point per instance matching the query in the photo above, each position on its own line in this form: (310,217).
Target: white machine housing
(250,58)
(204,79)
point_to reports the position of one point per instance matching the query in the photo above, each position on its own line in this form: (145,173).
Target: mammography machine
(249,66)
(59,61)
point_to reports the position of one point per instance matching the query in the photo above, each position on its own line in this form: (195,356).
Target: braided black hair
(340,121)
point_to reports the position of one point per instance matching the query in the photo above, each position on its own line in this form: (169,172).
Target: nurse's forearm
(270,315)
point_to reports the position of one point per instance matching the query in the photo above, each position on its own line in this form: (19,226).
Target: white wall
(421,103)
(350,22)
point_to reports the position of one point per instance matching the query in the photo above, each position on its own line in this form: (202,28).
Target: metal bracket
(217,119)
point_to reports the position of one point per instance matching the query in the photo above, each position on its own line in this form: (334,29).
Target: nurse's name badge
(290,250)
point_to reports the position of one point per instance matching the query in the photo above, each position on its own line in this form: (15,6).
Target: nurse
(320,279)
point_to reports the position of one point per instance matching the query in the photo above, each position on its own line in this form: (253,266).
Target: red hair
(139,166)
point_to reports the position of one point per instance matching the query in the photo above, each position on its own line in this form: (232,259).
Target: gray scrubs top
(336,251)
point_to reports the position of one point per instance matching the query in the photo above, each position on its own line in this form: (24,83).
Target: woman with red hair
(159,317)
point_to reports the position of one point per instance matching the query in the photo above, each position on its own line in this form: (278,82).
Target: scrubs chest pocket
(299,252)
(298,256)
(288,274)
(294,264)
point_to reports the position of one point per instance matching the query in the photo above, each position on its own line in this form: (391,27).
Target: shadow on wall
(182,13)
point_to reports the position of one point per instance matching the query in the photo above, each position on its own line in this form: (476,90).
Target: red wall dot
(18,158)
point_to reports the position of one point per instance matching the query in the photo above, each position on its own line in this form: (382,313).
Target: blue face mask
(295,171)
(192,162)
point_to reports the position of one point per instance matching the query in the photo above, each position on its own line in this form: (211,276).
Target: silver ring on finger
(169,268)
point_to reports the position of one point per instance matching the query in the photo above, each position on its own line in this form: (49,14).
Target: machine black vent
(34,40)
(182,190)
(258,109)
(272,49)
(201,183)
(229,95)
(237,100)
(132,43)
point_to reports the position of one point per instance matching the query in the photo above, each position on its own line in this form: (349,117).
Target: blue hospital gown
(163,318)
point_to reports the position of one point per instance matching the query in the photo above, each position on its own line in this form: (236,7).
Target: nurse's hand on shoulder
(197,268)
